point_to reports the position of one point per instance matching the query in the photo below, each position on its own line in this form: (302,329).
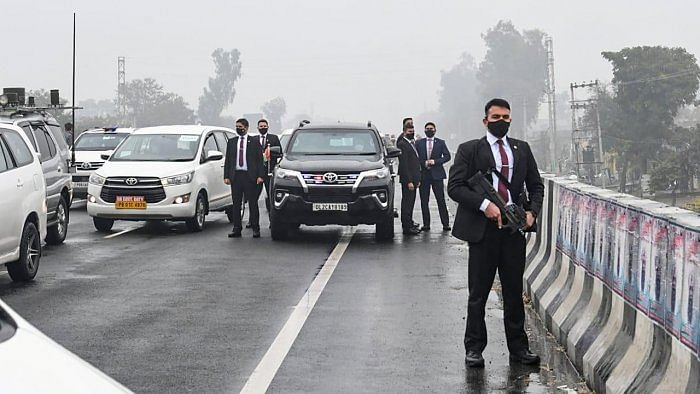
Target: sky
(335,59)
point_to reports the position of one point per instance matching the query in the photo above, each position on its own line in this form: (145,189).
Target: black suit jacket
(409,164)
(272,140)
(253,158)
(440,154)
(475,155)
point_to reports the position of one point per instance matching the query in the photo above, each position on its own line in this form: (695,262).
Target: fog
(349,60)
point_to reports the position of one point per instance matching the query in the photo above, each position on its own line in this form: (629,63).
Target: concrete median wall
(615,278)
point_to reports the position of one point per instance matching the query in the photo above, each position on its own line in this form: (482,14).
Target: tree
(679,161)
(149,105)
(514,68)
(220,91)
(274,110)
(650,85)
(460,109)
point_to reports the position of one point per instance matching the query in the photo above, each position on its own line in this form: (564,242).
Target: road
(163,310)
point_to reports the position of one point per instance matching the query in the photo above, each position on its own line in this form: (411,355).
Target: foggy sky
(349,60)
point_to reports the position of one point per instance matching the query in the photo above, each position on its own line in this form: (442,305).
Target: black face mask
(263,131)
(240,132)
(499,129)
(430,133)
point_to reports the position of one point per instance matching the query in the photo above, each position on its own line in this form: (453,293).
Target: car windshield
(99,142)
(158,147)
(334,142)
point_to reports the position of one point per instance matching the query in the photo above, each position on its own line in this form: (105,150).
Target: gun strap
(500,176)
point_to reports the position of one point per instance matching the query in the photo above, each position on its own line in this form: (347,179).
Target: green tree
(149,105)
(220,91)
(679,161)
(460,109)
(514,68)
(274,110)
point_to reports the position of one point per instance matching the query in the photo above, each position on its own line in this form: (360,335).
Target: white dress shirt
(495,151)
(243,167)
(429,146)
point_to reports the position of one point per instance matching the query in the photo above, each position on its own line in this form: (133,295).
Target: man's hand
(411,186)
(227,181)
(529,219)
(493,213)
(431,162)
(260,181)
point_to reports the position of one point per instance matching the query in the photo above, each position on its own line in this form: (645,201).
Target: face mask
(263,130)
(240,132)
(499,128)
(430,133)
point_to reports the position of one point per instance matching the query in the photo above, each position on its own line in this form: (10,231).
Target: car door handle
(20,184)
(60,169)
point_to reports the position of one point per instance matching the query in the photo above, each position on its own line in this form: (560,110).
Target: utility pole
(552,105)
(584,135)
(121,86)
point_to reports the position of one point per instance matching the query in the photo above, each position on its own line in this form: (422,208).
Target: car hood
(33,363)
(331,163)
(144,168)
(89,155)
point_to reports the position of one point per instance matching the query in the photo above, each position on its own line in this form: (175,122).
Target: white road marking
(262,376)
(121,232)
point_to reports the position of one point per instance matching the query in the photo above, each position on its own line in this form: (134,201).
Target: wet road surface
(163,310)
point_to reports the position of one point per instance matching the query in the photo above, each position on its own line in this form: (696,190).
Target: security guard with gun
(480,221)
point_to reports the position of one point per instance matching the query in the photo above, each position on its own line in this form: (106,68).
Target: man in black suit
(267,140)
(433,154)
(478,221)
(409,176)
(244,171)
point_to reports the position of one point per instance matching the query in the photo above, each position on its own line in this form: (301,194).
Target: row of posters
(651,261)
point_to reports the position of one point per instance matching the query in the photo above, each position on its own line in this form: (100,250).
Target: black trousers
(438,186)
(408,202)
(499,250)
(267,191)
(244,189)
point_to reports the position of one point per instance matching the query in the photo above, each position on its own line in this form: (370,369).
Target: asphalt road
(163,310)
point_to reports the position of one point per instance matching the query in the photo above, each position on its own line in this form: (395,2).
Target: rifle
(514,216)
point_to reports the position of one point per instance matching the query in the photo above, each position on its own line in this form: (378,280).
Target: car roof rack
(304,123)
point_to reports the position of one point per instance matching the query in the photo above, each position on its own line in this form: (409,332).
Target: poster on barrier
(575,228)
(631,262)
(619,248)
(690,315)
(646,224)
(657,270)
(598,222)
(564,230)
(586,232)
(608,249)
(674,275)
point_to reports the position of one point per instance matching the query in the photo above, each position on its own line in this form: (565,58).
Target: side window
(62,139)
(209,144)
(42,143)
(222,141)
(28,131)
(52,146)
(5,160)
(19,150)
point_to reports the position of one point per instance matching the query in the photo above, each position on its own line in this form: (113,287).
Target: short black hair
(263,120)
(497,102)
(406,120)
(430,124)
(243,121)
(406,126)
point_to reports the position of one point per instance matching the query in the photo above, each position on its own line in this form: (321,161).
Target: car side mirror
(276,151)
(214,155)
(392,152)
(106,156)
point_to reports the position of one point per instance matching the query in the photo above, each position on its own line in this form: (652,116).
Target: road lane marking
(259,381)
(121,232)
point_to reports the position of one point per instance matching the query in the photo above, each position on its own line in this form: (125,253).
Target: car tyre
(56,234)
(196,223)
(102,224)
(384,231)
(279,231)
(25,269)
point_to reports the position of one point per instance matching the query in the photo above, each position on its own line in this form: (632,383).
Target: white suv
(22,203)
(164,172)
(89,148)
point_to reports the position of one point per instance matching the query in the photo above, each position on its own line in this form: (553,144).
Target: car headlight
(177,179)
(375,174)
(96,179)
(287,174)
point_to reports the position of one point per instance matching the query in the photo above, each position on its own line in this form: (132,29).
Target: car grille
(342,179)
(88,165)
(80,178)
(150,188)
(330,194)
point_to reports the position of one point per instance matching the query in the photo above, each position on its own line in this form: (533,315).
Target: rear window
(334,142)
(19,150)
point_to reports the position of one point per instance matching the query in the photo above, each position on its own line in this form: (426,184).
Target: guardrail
(616,279)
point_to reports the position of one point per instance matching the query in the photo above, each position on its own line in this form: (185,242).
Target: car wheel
(279,231)
(196,222)
(56,234)
(102,224)
(26,267)
(384,231)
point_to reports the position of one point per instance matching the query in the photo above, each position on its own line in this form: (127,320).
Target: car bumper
(365,209)
(165,209)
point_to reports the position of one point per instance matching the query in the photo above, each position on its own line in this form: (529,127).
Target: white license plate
(80,185)
(330,207)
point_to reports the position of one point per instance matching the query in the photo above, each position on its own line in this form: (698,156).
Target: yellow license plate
(130,202)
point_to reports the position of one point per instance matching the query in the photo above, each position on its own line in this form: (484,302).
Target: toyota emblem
(131,181)
(330,177)
(85,166)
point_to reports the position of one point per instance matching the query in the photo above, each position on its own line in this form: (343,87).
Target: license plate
(80,185)
(130,202)
(330,207)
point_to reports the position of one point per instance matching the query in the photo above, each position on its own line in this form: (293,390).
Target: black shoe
(411,231)
(474,359)
(446,228)
(256,233)
(234,234)
(525,357)
(425,228)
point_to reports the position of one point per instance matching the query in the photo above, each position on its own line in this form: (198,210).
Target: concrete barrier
(615,279)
